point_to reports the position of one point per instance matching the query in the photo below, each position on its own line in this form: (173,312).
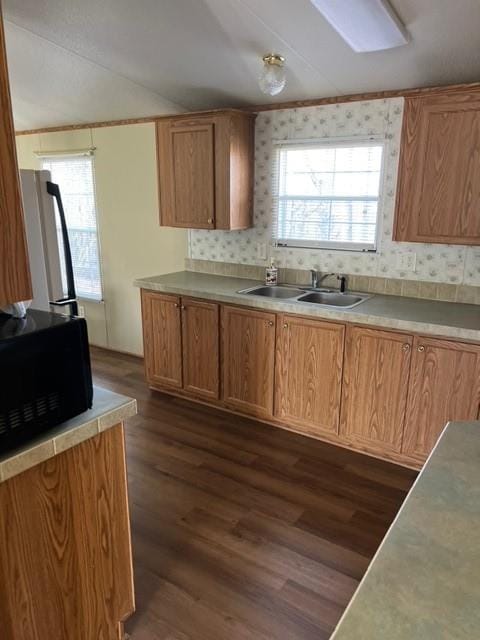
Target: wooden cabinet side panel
(162,338)
(444,386)
(375,386)
(309,373)
(15,283)
(200,339)
(65,552)
(248,339)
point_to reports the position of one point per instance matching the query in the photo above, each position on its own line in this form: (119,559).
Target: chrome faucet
(317,281)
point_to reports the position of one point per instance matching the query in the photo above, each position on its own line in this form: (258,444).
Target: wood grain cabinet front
(200,339)
(438,193)
(375,387)
(308,377)
(444,386)
(205,170)
(248,360)
(15,283)
(162,339)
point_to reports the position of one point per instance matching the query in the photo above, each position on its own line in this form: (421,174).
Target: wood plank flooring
(243,531)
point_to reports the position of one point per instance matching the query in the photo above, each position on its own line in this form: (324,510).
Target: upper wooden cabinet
(205,170)
(438,193)
(248,360)
(444,386)
(15,281)
(375,388)
(309,374)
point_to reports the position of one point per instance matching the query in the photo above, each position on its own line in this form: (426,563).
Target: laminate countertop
(448,319)
(107,411)
(424,581)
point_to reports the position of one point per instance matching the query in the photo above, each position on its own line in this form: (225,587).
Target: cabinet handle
(406,347)
(285,326)
(182,307)
(210,220)
(177,305)
(421,348)
(270,323)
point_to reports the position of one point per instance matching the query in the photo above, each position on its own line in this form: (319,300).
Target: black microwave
(45,374)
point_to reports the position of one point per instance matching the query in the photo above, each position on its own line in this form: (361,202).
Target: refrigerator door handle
(54,190)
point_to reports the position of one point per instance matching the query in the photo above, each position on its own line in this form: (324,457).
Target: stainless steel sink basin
(322,297)
(333,299)
(273,292)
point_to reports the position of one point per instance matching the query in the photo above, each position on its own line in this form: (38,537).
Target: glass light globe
(273,77)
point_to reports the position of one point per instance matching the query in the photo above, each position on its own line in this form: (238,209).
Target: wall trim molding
(295,104)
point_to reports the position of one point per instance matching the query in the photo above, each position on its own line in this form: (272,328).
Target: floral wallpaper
(435,263)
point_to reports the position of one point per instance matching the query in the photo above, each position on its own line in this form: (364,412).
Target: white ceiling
(74,61)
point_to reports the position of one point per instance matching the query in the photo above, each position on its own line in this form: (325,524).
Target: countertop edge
(66,436)
(349,316)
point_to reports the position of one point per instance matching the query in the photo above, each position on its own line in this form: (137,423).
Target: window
(328,194)
(74,175)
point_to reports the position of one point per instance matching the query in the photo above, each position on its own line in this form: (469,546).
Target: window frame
(321,143)
(65,155)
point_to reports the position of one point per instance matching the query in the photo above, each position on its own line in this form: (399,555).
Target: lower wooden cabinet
(162,339)
(248,360)
(309,368)
(201,358)
(375,388)
(181,343)
(444,386)
(382,392)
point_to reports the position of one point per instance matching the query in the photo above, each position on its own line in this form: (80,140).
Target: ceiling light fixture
(366,25)
(273,78)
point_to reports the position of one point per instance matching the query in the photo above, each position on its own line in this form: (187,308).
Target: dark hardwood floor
(243,531)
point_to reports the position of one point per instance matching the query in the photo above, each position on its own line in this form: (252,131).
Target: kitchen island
(424,581)
(65,554)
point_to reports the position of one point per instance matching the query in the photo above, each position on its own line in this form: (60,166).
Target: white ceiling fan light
(273,78)
(365,25)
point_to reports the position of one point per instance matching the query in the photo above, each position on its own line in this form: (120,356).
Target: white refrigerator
(48,245)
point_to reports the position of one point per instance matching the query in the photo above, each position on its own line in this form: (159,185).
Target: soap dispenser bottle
(271,274)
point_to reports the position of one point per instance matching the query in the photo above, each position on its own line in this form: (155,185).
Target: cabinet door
(186,170)
(438,195)
(200,339)
(15,282)
(162,339)
(375,386)
(444,385)
(309,373)
(248,360)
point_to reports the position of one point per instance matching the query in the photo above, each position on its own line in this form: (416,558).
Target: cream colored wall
(132,243)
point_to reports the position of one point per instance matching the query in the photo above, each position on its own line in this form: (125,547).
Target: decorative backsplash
(434,263)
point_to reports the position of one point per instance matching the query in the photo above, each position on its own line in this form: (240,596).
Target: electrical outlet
(81,311)
(407,261)
(261,251)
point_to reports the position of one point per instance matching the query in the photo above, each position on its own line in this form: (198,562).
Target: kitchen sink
(273,292)
(333,299)
(322,297)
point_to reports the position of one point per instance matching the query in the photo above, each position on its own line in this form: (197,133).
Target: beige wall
(132,243)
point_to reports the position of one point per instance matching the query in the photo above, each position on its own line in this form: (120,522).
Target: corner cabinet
(15,284)
(438,192)
(181,344)
(205,170)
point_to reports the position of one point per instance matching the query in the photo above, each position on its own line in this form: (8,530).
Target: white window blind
(75,177)
(328,194)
